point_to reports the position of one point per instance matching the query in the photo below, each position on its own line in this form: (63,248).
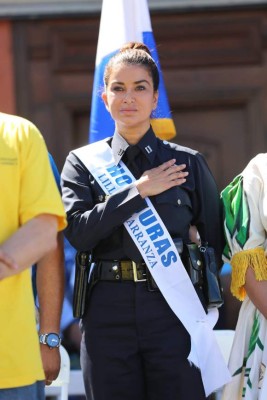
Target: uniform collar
(148,146)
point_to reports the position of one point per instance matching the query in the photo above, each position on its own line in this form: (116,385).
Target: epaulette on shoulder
(177,147)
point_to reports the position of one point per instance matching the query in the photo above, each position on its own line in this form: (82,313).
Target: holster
(201,266)
(82,269)
(212,286)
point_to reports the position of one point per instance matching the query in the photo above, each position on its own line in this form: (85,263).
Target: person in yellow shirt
(31,214)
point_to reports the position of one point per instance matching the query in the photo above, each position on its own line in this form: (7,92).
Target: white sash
(163,261)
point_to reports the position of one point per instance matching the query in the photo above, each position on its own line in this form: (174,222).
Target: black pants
(135,348)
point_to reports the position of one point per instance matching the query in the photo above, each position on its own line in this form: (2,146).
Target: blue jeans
(30,392)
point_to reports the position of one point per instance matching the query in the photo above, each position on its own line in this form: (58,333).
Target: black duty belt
(119,271)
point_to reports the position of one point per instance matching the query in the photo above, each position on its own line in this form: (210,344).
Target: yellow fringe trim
(254,258)
(164,128)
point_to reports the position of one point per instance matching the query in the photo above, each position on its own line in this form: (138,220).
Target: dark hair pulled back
(134,53)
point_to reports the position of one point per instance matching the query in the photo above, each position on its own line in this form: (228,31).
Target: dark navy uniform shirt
(95,222)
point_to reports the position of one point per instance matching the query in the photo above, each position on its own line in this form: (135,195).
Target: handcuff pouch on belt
(211,283)
(201,266)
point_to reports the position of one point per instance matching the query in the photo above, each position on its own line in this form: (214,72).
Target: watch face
(53,340)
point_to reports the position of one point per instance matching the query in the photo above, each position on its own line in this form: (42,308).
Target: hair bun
(135,46)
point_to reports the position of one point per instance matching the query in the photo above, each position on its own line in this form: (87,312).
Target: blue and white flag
(125,21)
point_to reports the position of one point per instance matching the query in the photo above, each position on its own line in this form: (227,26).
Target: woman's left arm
(256,291)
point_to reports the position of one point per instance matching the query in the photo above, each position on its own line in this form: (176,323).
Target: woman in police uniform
(134,346)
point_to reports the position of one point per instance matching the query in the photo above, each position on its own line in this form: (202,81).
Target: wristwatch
(51,339)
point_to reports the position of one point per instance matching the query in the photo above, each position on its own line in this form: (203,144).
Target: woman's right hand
(161,178)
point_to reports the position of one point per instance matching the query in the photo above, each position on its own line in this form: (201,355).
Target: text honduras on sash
(123,21)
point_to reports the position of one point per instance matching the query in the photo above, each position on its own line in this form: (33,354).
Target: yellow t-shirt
(28,189)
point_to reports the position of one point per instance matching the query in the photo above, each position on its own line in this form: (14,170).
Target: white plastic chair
(59,387)
(76,385)
(225,339)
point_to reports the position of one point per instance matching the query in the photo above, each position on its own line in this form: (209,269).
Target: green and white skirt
(248,357)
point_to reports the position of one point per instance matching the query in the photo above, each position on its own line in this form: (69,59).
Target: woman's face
(130,98)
